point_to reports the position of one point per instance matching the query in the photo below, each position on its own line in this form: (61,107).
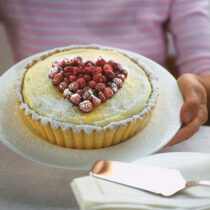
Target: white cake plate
(163,125)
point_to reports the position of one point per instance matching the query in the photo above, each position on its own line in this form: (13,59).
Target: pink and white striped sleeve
(190,26)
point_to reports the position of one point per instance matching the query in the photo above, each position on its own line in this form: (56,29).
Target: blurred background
(6,60)
(5,52)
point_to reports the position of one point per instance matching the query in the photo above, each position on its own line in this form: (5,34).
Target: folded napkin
(94,193)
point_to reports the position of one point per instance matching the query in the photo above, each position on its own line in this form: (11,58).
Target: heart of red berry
(87,84)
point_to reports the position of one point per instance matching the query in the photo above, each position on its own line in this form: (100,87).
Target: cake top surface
(45,99)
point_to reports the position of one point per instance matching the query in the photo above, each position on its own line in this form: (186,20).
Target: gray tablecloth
(26,185)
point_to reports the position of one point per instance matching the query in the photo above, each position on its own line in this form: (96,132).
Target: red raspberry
(96,101)
(52,73)
(87,77)
(116,73)
(82,66)
(100,87)
(68,69)
(80,58)
(81,82)
(108,92)
(75,99)
(124,72)
(89,63)
(117,67)
(96,77)
(80,75)
(76,70)
(67,93)
(118,82)
(67,61)
(66,80)
(102,97)
(110,75)
(112,63)
(76,61)
(102,79)
(108,84)
(87,89)
(107,67)
(59,68)
(73,87)
(97,70)
(87,95)
(62,86)
(63,63)
(72,78)
(80,92)
(121,76)
(100,62)
(57,79)
(92,84)
(87,70)
(86,106)
(68,74)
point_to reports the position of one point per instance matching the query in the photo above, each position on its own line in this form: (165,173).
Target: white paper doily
(163,125)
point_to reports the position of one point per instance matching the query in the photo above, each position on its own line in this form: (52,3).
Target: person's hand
(194,111)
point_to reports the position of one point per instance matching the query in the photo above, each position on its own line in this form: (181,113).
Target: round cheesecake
(60,122)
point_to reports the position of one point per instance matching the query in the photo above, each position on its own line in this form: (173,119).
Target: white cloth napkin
(93,193)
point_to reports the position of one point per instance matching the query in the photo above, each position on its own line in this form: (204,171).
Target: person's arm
(190,27)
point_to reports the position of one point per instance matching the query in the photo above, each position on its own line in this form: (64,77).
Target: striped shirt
(137,25)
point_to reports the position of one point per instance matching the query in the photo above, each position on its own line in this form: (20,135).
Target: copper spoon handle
(202,182)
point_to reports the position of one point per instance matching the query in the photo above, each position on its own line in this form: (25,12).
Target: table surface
(26,185)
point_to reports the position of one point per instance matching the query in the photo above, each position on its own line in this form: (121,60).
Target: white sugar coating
(117,81)
(85,106)
(122,99)
(67,92)
(96,99)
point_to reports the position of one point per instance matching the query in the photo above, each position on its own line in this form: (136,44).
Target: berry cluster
(87,84)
